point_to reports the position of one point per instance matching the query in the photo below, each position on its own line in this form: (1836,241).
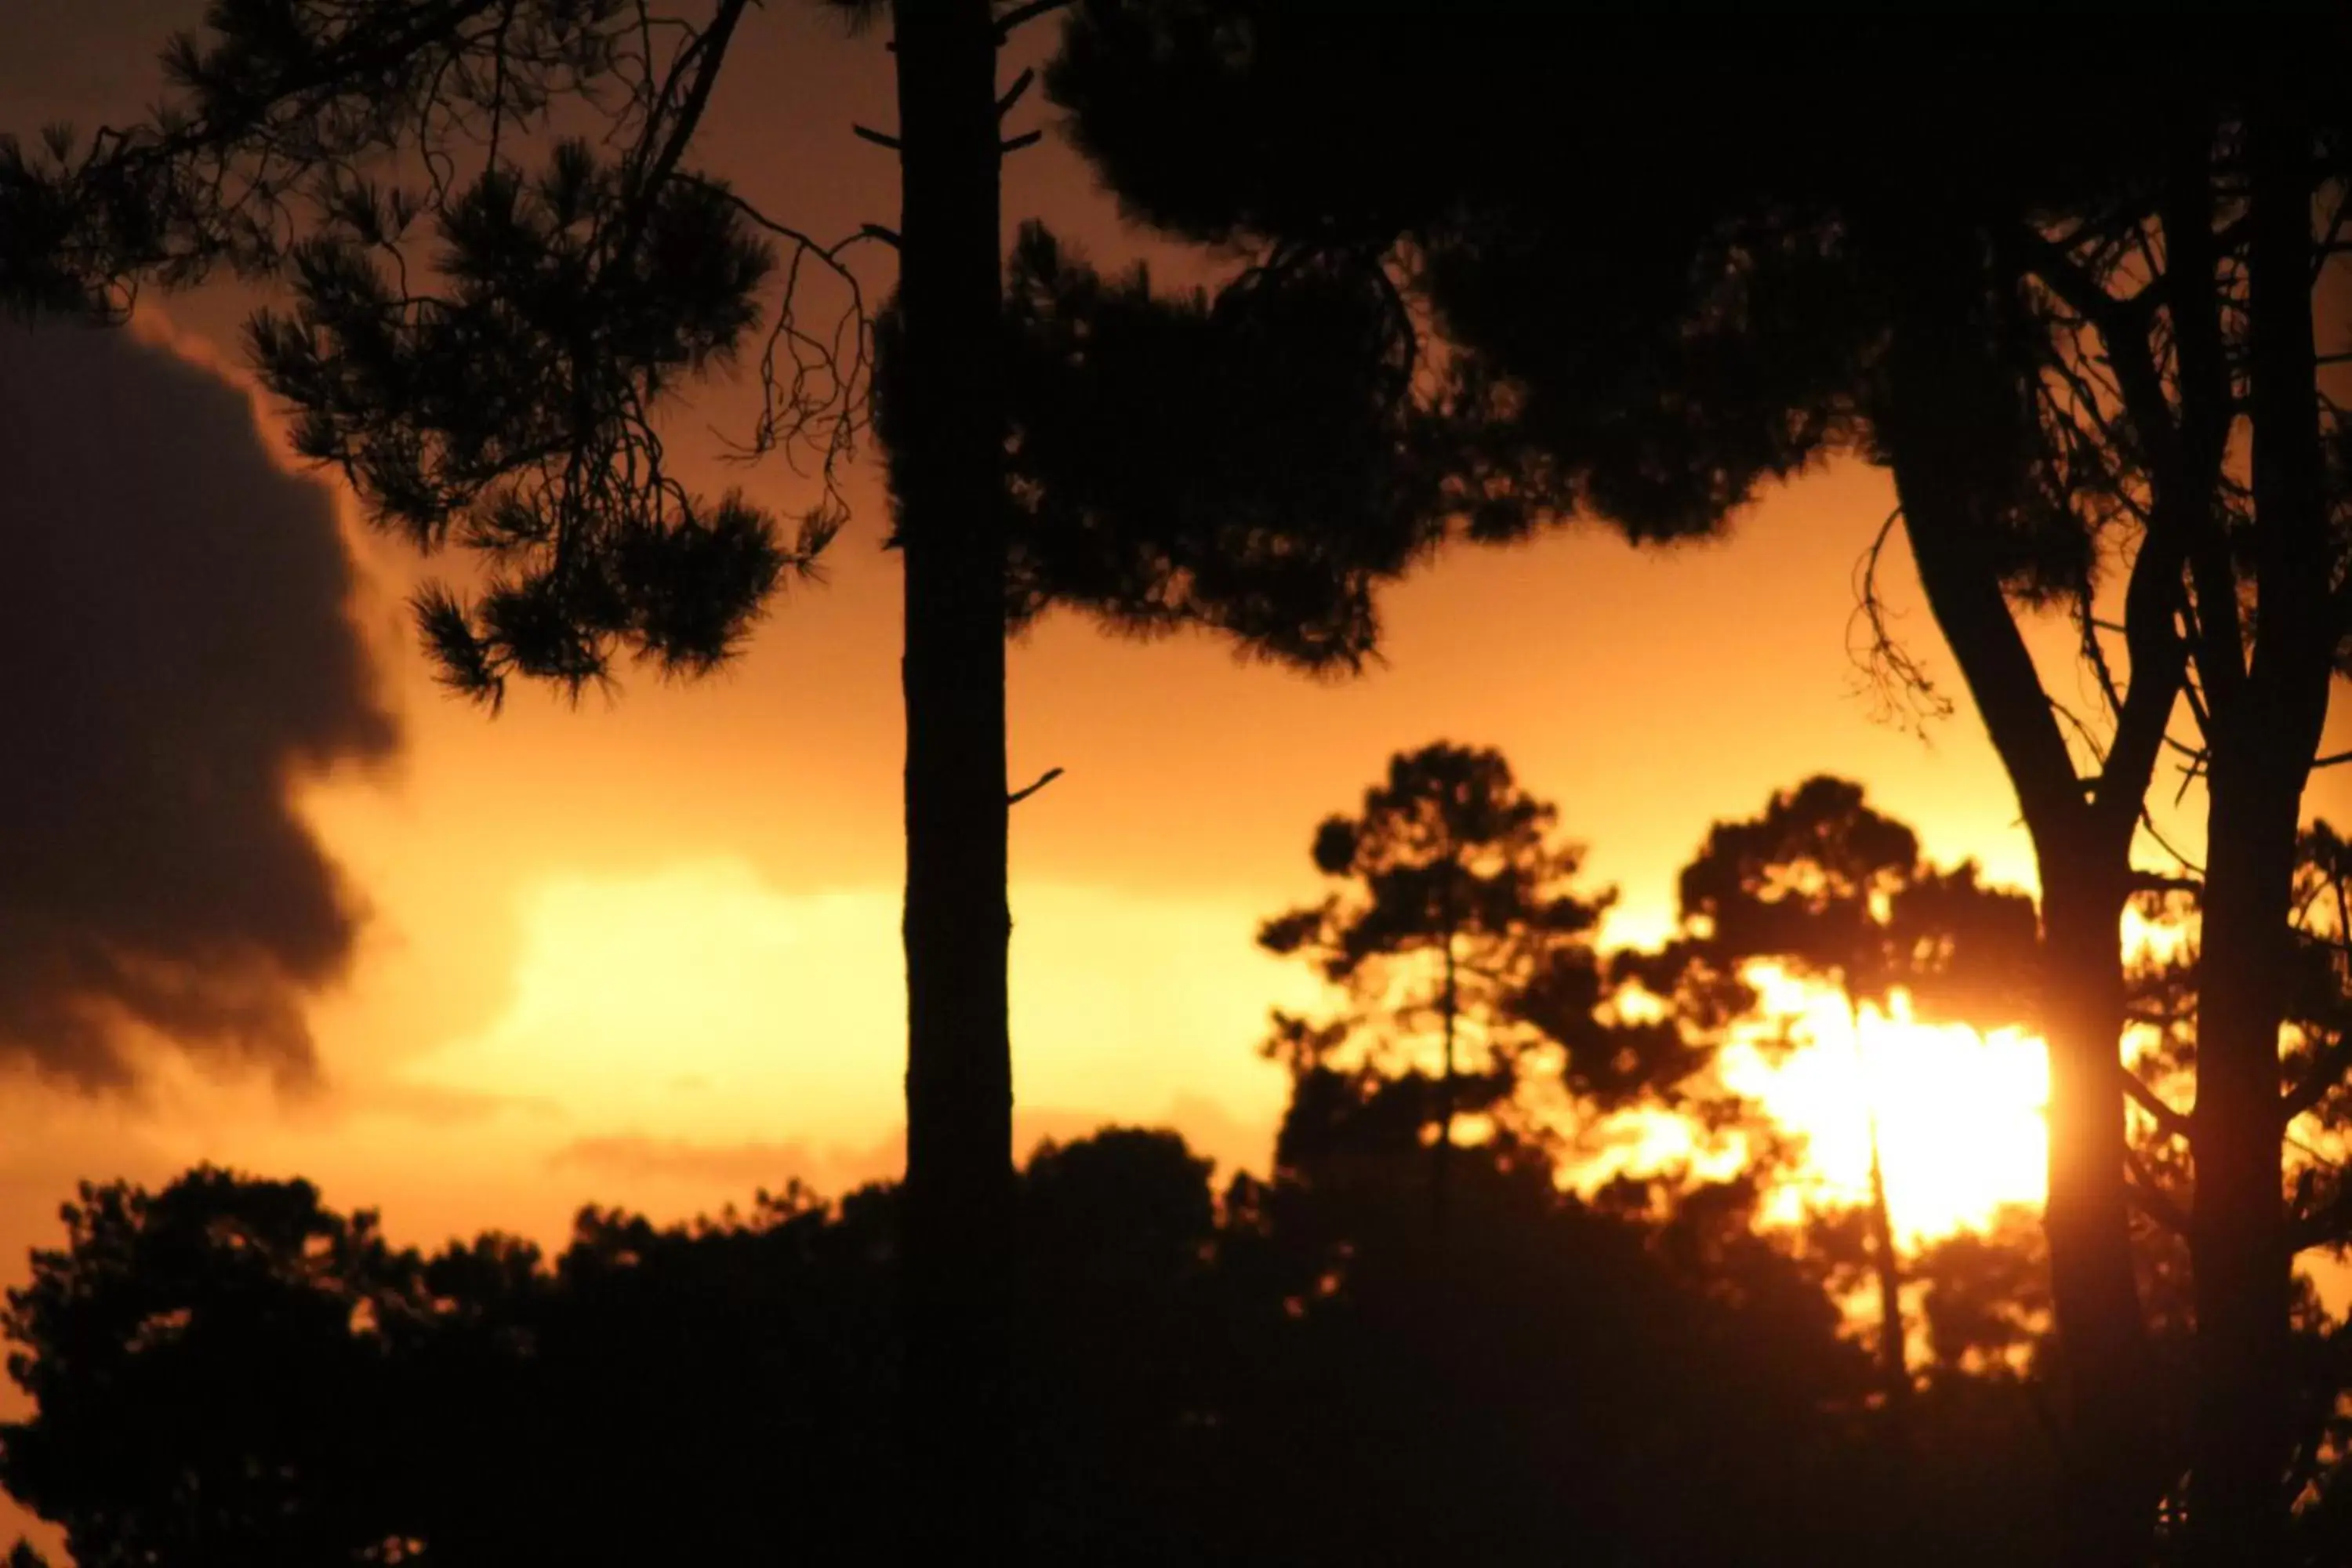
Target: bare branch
(1902,688)
(1012,95)
(1018,795)
(2171,1123)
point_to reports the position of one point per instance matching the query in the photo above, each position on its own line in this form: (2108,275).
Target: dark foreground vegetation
(1287,1371)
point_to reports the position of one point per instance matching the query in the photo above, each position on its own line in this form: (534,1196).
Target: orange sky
(645,952)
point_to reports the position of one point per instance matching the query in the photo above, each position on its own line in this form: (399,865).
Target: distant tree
(210,1367)
(227,1372)
(1291,1376)
(723,1388)
(1838,893)
(1466,954)
(1545,1387)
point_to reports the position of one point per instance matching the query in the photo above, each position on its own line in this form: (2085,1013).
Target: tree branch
(1012,95)
(1018,795)
(2171,1123)
(2323,1226)
(2327,1071)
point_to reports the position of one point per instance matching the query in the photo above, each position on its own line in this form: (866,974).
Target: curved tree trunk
(1940,426)
(946,477)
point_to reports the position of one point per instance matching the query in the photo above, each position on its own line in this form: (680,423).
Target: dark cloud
(176,653)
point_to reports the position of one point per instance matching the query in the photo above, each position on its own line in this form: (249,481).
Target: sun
(1960,1117)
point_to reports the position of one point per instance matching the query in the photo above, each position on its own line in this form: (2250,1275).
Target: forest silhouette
(1481,275)
(1298,1368)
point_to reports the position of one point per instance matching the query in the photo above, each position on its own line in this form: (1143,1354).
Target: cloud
(176,656)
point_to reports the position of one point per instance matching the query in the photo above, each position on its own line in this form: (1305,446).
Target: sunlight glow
(1961,1117)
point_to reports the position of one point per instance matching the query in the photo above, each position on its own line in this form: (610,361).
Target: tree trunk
(2237,1439)
(2263,745)
(1894,1367)
(2112,1466)
(1448,1086)
(1886,1263)
(946,476)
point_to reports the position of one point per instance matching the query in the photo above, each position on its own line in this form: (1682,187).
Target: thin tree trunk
(1885,1264)
(2262,753)
(1894,1367)
(946,468)
(1441,1155)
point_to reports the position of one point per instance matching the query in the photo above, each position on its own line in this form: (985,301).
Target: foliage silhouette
(1834,891)
(213,1370)
(1458,935)
(1245,461)
(1457,906)
(1286,1374)
(2053,302)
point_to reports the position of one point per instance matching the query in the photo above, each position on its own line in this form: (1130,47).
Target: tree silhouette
(1837,893)
(1288,1375)
(211,1367)
(1458,934)
(2053,304)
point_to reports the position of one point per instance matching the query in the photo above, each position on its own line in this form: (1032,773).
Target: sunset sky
(645,951)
